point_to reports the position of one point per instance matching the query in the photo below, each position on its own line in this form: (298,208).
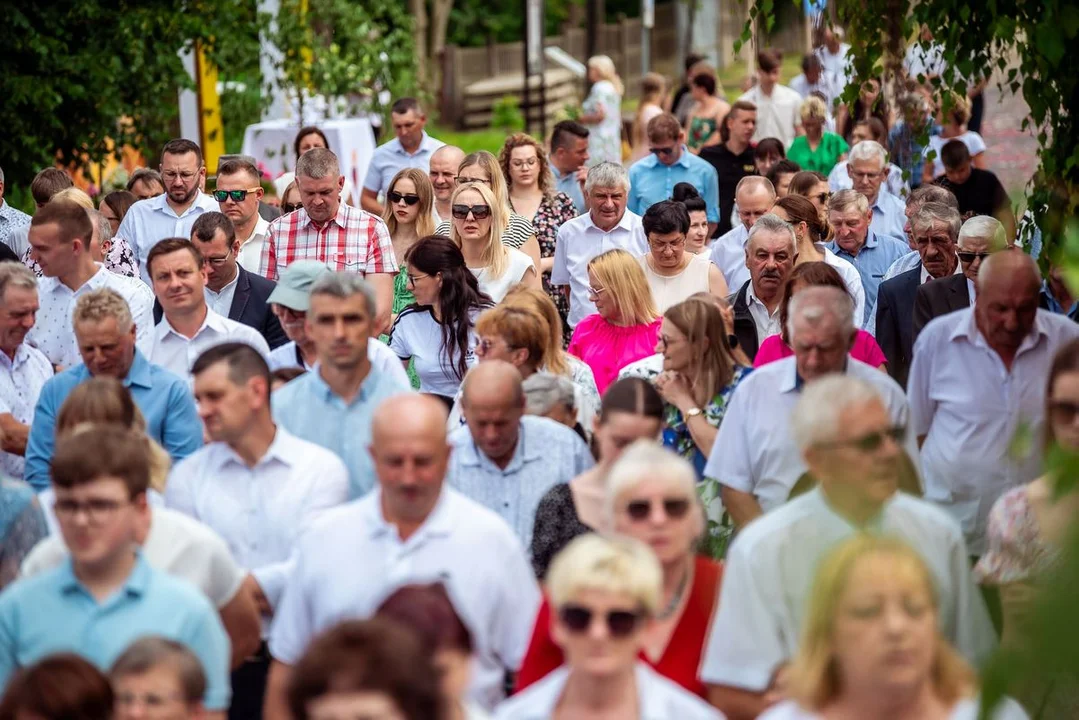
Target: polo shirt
(177,353)
(872,262)
(152,220)
(54,612)
(21,380)
(731,169)
(568,184)
(353,559)
(650,181)
(889,216)
(981,194)
(391,157)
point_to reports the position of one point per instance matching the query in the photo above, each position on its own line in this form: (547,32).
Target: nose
(975,264)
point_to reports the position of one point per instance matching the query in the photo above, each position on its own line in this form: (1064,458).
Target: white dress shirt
(53,333)
(729,255)
(260,511)
(152,220)
(851,279)
(769,573)
(973,410)
(352,560)
(580,240)
(177,354)
(21,379)
(221,302)
(383,359)
(754,450)
(250,254)
(767,322)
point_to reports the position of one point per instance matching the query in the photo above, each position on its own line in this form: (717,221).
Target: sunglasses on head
(236,195)
(478,211)
(396,197)
(674,508)
(578,619)
(969,257)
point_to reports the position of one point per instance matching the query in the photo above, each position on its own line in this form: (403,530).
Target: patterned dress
(119,259)
(604,137)
(550,215)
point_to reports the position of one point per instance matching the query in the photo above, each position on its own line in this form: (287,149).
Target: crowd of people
(756,426)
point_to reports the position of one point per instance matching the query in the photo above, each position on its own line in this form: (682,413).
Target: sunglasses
(236,195)
(1063,412)
(286,208)
(824,197)
(479,212)
(873,441)
(396,197)
(969,257)
(674,508)
(620,623)
(661,151)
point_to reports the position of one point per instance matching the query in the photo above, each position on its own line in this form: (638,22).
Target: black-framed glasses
(969,257)
(672,244)
(396,197)
(217,261)
(674,508)
(665,152)
(620,623)
(415,278)
(461,180)
(479,212)
(286,208)
(871,442)
(236,195)
(97,510)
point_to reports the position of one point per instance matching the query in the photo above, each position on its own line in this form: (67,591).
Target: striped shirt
(353,241)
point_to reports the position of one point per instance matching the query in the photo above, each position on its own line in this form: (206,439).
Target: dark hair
(235,165)
(804,181)
(145,175)
(631,395)
(686,194)
(405,104)
(880,110)
(810,60)
(783,166)
(769,146)
(1066,360)
(800,209)
(769,59)
(810,273)
(62,686)
(119,201)
(724,126)
(244,362)
(692,59)
(564,130)
(705,81)
(182,146)
(304,132)
(286,374)
(72,219)
(98,451)
(428,610)
(666,216)
(876,129)
(377,656)
(459,296)
(47,183)
(954,154)
(151,652)
(169,246)
(207,224)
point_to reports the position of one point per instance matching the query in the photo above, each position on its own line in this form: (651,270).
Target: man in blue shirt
(569,153)
(652,178)
(105,595)
(411,148)
(106,338)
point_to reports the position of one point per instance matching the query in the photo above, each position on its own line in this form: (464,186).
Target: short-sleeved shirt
(21,380)
(353,240)
(821,160)
(517,265)
(981,194)
(417,335)
(391,157)
(651,181)
(974,142)
(731,169)
(152,220)
(778,114)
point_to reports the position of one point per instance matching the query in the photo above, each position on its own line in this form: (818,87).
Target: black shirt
(731,168)
(981,194)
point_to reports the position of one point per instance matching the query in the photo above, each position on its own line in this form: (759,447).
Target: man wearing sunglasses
(845,435)
(238,194)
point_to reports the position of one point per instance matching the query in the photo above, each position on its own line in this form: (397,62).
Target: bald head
(1006,304)
(410,454)
(495,383)
(1012,268)
(755,196)
(410,415)
(493,403)
(443,171)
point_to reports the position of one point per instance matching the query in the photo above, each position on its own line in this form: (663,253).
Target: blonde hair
(544,179)
(74,195)
(490,165)
(606,69)
(617,565)
(814,679)
(813,107)
(621,275)
(648,460)
(98,305)
(425,223)
(536,299)
(495,256)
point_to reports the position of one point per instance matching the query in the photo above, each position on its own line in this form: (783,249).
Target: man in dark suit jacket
(770,255)
(940,297)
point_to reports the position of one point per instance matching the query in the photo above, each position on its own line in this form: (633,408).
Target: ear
(868,215)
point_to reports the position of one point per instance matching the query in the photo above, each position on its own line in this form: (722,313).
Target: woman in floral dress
(603,112)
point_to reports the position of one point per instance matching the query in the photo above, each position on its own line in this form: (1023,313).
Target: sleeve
(871,352)
(976,144)
(582,456)
(635,198)
(142,311)
(206,637)
(268,260)
(710,193)
(178,491)
(182,434)
(373,179)
(254,338)
(730,462)
(769,351)
(919,387)
(126,232)
(40,443)
(1000,196)
(857,291)
(26,530)
(546,538)
(560,269)
(517,606)
(381,258)
(543,655)
(834,177)
(293,623)
(400,338)
(972,630)
(9,661)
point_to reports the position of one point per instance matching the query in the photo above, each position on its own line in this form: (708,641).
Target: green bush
(506,114)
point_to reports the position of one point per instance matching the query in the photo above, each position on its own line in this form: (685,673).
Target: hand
(252,586)
(777,690)
(582,175)
(674,390)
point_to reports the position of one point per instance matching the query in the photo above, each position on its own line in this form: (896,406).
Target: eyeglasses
(415,278)
(620,623)
(236,195)
(97,510)
(520,164)
(823,197)
(485,344)
(674,508)
(661,151)
(169,175)
(479,212)
(595,292)
(865,175)
(286,208)
(460,180)
(217,261)
(872,441)
(672,245)
(969,257)
(1063,412)
(396,197)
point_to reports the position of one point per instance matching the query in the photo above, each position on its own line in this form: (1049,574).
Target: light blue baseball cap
(294,284)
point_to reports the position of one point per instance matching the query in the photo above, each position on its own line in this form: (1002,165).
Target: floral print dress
(604,137)
(551,213)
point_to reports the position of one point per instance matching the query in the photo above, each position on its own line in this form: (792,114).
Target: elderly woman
(818,150)
(650,495)
(605,612)
(602,111)
(478,223)
(674,274)
(626,323)
(871,645)
(553,397)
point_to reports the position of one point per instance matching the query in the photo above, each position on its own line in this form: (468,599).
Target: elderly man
(769,257)
(411,147)
(867,166)
(652,178)
(10,217)
(918,197)
(238,192)
(569,153)
(844,432)
(871,254)
(443,174)
(754,197)
(753,456)
(607,226)
(505,460)
(106,339)
(979,237)
(732,158)
(413,529)
(977,388)
(328,230)
(333,405)
(935,230)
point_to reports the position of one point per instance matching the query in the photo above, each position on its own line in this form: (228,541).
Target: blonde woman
(408,218)
(602,112)
(626,324)
(478,223)
(871,645)
(817,150)
(653,88)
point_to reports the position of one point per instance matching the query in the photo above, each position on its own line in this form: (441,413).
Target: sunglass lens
(220,195)
(639,509)
(481,211)
(576,618)
(676,508)
(621,623)
(460,211)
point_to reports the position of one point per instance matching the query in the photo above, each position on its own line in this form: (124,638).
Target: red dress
(680,660)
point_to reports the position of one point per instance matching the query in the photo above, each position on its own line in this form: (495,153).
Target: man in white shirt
(23,369)
(769,257)
(833,55)
(237,192)
(411,529)
(868,169)
(753,457)
(754,196)
(255,484)
(60,238)
(170,215)
(443,174)
(608,225)
(815,79)
(853,447)
(778,107)
(977,390)
(188,326)
(410,148)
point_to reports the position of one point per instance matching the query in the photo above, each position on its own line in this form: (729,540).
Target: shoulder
(788,710)
(916,512)
(298,390)
(545,428)
(28,591)
(166,379)
(904,281)
(672,699)
(261,285)
(483,524)
(944,325)
(767,538)
(535,701)
(872,375)
(180,594)
(411,315)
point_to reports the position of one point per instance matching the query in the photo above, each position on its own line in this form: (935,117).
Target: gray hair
(544,391)
(647,460)
(318,163)
(606,175)
(984,227)
(932,212)
(343,285)
(869,150)
(932,193)
(772,223)
(98,305)
(815,417)
(845,200)
(15,274)
(814,303)
(104,227)
(755,182)
(1,174)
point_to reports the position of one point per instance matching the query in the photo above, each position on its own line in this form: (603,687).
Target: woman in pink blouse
(776,347)
(626,324)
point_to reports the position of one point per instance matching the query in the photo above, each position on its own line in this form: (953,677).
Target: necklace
(676,598)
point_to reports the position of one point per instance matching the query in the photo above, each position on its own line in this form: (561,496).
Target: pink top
(608,348)
(865,348)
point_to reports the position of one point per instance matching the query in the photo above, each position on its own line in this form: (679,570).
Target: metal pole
(648,20)
(525,94)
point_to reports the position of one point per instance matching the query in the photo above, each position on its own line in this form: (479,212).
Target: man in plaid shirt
(325,229)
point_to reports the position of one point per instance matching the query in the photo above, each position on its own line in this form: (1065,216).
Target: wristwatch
(694,412)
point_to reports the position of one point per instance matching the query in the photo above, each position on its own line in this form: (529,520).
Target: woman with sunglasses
(408,218)
(626,323)
(478,223)
(650,497)
(290,198)
(437,333)
(814,187)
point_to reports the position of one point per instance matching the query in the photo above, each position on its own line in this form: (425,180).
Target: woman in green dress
(817,150)
(707,113)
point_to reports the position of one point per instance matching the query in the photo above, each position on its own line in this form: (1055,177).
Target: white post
(706,30)
(269,57)
(189,101)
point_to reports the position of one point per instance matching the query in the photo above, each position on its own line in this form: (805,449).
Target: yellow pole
(211,128)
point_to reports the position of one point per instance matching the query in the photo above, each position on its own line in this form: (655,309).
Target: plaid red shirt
(353,241)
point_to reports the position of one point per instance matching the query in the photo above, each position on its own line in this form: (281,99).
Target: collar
(525,452)
(140,373)
(340,218)
(96,281)
(623,223)
(923,274)
(262,228)
(752,299)
(368,387)
(817,498)
(967,329)
(1054,303)
(228,286)
(683,160)
(202,201)
(884,197)
(871,240)
(135,585)
(279,451)
(396,147)
(439,522)
(212,320)
(22,354)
